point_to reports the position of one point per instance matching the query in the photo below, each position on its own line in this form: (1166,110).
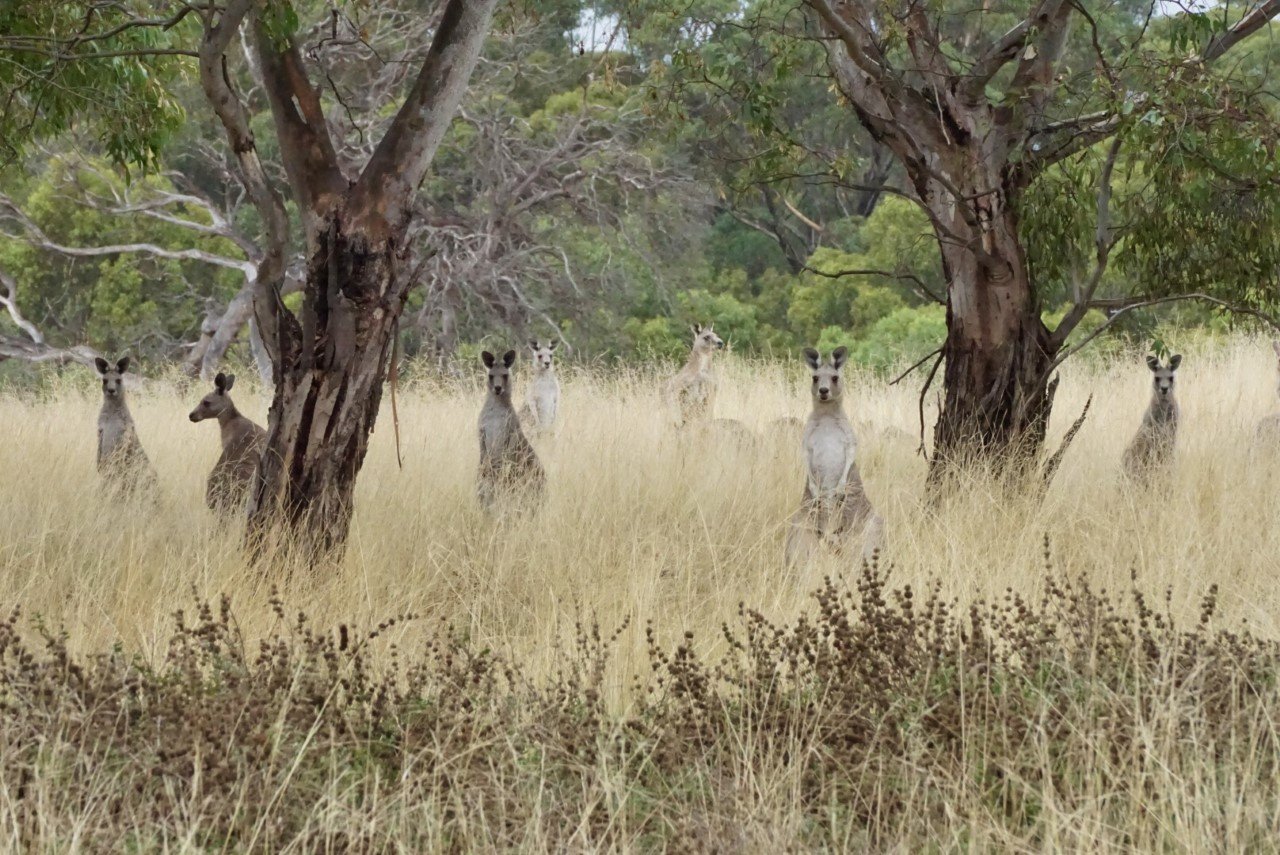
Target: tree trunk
(329,379)
(997,398)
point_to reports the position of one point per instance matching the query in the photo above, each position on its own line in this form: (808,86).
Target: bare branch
(924,289)
(1103,242)
(35,349)
(400,161)
(1259,17)
(1123,307)
(1005,50)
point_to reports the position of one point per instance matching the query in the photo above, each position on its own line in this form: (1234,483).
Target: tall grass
(673,534)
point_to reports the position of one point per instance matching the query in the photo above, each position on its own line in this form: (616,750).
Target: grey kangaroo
(835,507)
(508,464)
(121,461)
(242,444)
(1152,446)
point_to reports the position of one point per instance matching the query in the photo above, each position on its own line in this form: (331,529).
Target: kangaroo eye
(835,380)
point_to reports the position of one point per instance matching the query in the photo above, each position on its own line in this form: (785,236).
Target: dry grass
(641,524)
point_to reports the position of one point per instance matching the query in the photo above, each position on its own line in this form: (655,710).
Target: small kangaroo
(121,460)
(242,444)
(835,506)
(542,402)
(508,463)
(1152,446)
(1268,431)
(691,394)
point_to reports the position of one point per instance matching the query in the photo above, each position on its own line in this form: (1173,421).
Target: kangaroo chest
(829,447)
(495,429)
(113,430)
(543,395)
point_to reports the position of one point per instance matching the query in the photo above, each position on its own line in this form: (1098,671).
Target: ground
(641,524)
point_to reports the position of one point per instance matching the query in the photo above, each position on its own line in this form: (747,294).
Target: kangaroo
(1152,446)
(508,463)
(835,506)
(1268,431)
(242,444)
(121,460)
(542,401)
(691,394)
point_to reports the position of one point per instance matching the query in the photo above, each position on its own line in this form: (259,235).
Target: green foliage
(118,86)
(117,301)
(903,336)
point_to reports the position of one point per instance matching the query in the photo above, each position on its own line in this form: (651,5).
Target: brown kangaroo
(242,444)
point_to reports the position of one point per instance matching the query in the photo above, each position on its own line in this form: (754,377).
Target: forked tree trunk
(331,358)
(997,398)
(328,385)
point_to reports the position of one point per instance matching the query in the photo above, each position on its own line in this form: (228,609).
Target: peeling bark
(329,385)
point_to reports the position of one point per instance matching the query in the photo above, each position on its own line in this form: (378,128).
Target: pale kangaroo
(1152,446)
(542,401)
(691,394)
(242,444)
(508,464)
(121,460)
(1268,432)
(835,507)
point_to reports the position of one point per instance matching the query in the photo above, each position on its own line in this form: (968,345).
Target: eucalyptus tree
(330,357)
(988,109)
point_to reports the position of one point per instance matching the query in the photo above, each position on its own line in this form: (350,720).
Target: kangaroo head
(705,339)
(1162,375)
(826,375)
(542,353)
(499,372)
(112,376)
(216,402)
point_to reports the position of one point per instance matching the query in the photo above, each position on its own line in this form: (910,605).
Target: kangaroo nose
(824,391)
(194,417)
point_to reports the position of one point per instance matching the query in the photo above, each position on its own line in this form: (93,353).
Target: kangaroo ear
(1175,361)
(231,381)
(840,356)
(101,364)
(220,381)
(533,344)
(487,358)
(697,329)
(123,364)
(508,358)
(812,358)
(551,345)
(1153,363)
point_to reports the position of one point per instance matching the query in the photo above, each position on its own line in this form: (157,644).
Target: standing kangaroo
(691,394)
(242,444)
(121,460)
(835,506)
(542,402)
(1152,446)
(1268,431)
(508,464)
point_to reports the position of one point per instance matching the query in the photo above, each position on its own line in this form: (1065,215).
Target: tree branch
(305,145)
(384,190)
(36,349)
(1103,242)
(924,289)
(1126,306)
(1246,26)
